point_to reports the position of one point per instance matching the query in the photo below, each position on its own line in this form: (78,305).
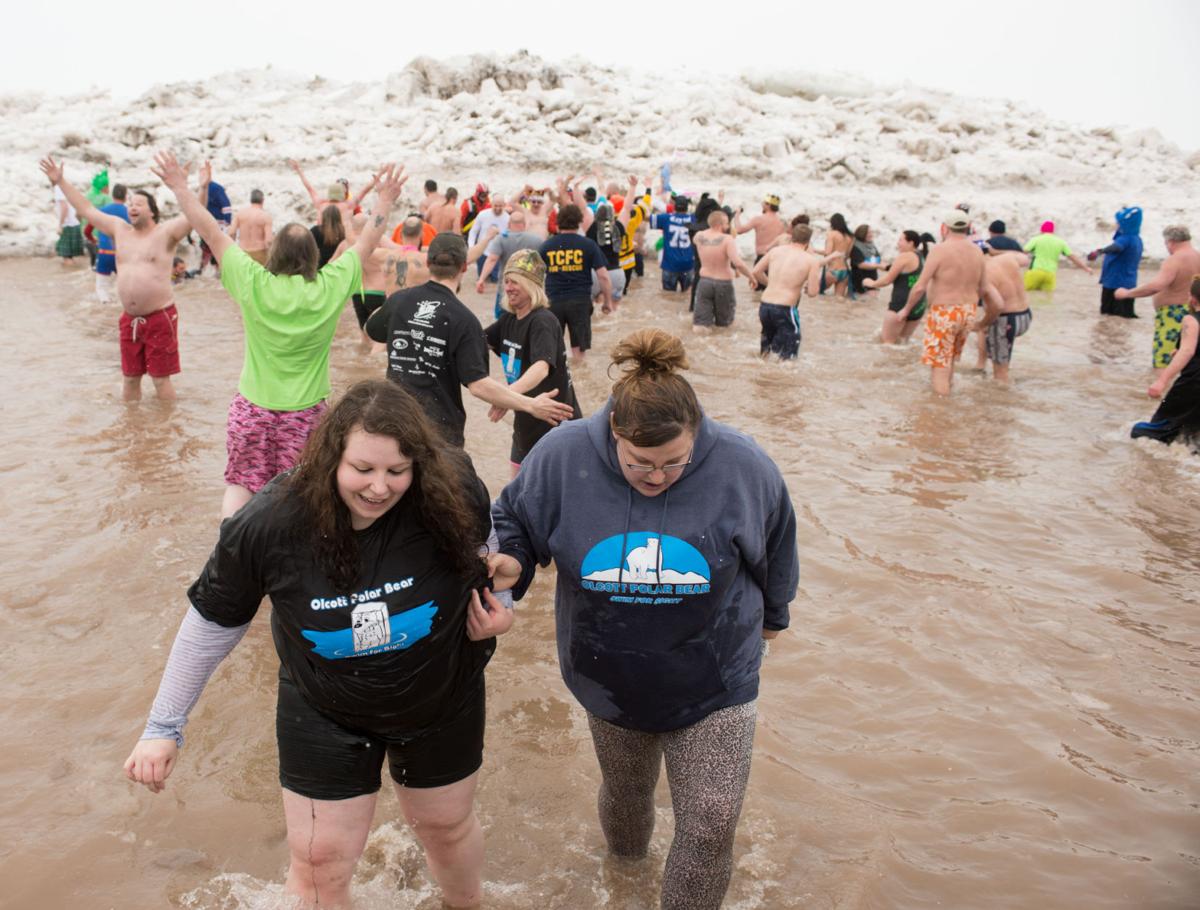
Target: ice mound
(893,157)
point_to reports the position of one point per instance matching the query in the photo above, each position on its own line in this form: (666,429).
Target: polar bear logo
(369,624)
(645,562)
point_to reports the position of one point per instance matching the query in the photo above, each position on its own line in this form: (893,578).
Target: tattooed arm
(389,182)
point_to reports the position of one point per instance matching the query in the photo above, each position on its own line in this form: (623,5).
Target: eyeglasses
(666,468)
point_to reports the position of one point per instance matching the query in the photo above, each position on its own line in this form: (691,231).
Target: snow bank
(891,157)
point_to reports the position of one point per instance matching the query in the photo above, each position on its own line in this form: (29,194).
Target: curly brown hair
(441,491)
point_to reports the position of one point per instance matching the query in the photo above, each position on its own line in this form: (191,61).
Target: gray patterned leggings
(708,765)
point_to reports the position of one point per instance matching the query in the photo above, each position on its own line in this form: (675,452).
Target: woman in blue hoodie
(1120,266)
(675,544)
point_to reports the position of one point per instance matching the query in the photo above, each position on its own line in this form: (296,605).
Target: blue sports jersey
(677,242)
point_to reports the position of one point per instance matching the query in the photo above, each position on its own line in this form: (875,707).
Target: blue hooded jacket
(661,601)
(1121,257)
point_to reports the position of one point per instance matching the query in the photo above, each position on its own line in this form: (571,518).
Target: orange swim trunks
(945,334)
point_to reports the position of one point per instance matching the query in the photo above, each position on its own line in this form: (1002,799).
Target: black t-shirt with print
(570,261)
(391,656)
(435,347)
(520,343)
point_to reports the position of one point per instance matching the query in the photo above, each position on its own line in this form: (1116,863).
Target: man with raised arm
(719,259)
(436,347)
(767,226)
(253,229)
(955,280)
(338,194)
(1170,290)
(290,310)
(787,271)
(145,251)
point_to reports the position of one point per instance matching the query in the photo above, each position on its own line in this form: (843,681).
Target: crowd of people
(390,568)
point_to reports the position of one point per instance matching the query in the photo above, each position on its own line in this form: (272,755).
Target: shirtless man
(447,216)
(1003,272)
(432,198)
(252,228)
(537,219)
(719,259)
(768,226)
(145,252)
(338,194)
(788,271)
(376,270)
(405,266)
(955,279)
(1170,290)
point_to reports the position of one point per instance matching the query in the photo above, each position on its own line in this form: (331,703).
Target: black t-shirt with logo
(391,656)
(520,343)
(570,260)
(435,347)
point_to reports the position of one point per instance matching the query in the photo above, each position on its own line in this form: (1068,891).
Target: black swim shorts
(365,304)
(321,759)
(576,317)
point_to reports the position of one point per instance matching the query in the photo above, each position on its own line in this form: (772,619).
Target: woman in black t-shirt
(528,339)
(370,553)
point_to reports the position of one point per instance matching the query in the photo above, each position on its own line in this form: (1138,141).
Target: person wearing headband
(768,227)
(529,342)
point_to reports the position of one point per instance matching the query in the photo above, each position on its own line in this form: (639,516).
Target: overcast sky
(1095,63)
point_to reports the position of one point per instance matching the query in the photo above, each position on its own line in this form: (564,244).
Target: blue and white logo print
(511,362)
(661,569)
(372,631)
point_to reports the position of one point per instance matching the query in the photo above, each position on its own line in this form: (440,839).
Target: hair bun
(650,351)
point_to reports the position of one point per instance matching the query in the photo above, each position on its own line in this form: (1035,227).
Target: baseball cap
(957,221)
(996,227)
(447,248)
(771,199)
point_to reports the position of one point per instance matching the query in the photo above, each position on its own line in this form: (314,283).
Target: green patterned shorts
(1168,326)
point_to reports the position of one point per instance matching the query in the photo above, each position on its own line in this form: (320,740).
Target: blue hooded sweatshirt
(661,601)
(1121,257)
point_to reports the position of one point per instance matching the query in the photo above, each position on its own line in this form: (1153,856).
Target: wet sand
(987,699)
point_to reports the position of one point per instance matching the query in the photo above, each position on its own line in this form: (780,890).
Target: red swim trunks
(150,344)
(261,443)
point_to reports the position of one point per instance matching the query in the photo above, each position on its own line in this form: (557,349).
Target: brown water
(987,699)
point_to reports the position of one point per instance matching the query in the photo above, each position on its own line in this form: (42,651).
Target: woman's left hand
(487,622)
